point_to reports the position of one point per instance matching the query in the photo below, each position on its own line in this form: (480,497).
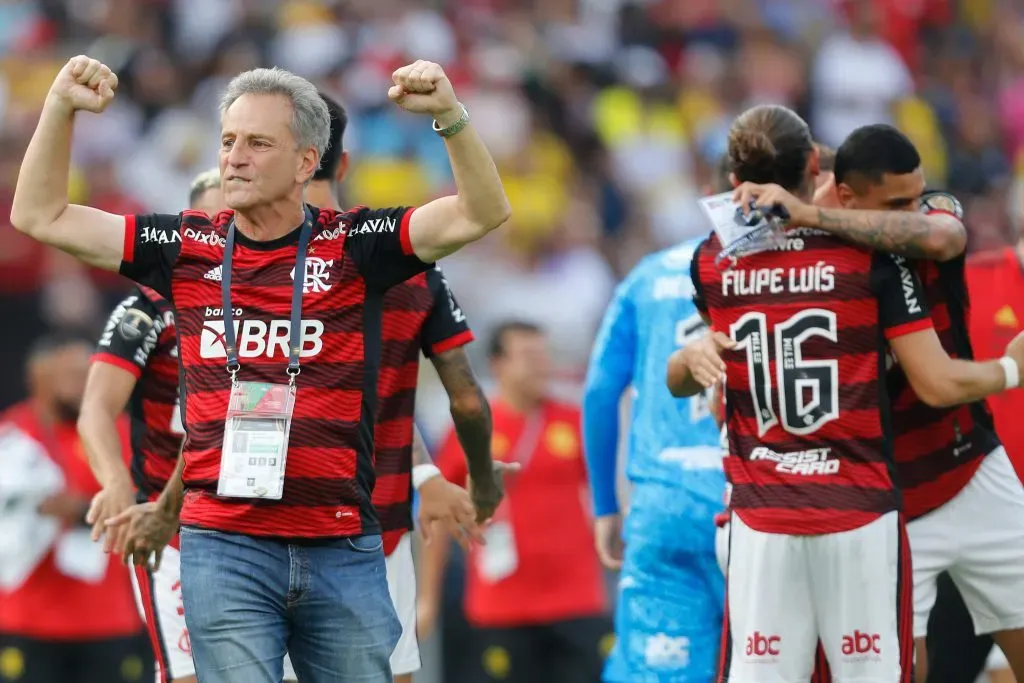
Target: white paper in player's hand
(720,210)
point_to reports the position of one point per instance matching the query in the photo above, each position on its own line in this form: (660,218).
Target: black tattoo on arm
(905,233)
(471,412)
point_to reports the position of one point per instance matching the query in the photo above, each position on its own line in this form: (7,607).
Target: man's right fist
(85,84)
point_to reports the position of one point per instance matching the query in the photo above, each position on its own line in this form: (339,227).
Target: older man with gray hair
(280,544)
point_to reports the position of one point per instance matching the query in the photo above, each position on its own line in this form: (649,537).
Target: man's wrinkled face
(893,193)
(260,161)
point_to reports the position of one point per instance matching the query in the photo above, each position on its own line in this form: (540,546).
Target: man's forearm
(173,495)
(41,195)
(481,195)
(907,233)
(420,456)
(103,448)
(474,429)
(470,410)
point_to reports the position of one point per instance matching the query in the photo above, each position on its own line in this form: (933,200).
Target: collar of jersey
(288,239)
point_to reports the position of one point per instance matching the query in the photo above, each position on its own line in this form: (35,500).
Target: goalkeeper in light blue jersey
(669,612)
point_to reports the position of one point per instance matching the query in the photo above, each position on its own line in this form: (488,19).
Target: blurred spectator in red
(66,609)
(995,281)
(535,591)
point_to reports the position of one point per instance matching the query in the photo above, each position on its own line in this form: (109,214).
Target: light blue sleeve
(611,371)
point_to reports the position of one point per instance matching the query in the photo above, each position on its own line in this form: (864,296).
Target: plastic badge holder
(256,440)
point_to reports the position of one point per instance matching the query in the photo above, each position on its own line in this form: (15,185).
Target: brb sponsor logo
(862,645)
(811,461)
(760,645)
(258,338)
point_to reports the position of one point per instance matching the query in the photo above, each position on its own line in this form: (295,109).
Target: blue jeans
(249,600)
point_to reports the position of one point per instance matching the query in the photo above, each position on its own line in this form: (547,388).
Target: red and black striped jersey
(938,450)
(353,258)
(139,337)
(807,412)
(419,314)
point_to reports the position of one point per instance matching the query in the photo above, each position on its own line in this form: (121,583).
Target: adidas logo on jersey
(214,274)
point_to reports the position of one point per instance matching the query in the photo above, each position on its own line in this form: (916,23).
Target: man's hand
(67,506)
(488,494)
(84,84)
(423,88)
(608,539)
(1015,350)
(150,527)
(445,504)
(704,357)
(110,502)
(765,196)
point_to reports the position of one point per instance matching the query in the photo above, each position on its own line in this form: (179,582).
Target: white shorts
(158,597)
(402,585)
(851,590)
(978,536)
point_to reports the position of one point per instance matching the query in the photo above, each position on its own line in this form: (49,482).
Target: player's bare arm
(420,456)
(40,208)
(697,366)
(447,224)
(936,236)
(471,414)
(941,381)
(107,391)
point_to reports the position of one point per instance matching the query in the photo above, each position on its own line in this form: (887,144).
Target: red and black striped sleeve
(130,335)
(446,327)
(152,243)
(902,307)
(378,240)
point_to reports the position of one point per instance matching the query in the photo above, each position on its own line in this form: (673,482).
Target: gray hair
(207,180)
(311,121)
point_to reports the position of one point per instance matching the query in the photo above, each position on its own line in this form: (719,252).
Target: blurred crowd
(605,116)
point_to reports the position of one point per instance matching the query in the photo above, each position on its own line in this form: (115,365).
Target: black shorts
(570,651)
(112,660)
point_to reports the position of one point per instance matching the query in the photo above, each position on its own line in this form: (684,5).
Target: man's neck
(322,194)
(44,412)
(268,222)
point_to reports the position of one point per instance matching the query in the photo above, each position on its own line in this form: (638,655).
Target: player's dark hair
(826,158)
(499,337)
(55,341)
(872,151)
(770,144)
(332,155)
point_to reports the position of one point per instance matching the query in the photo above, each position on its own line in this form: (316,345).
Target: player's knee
(1011,642)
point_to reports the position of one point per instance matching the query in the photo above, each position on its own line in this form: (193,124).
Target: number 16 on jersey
(808,390)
